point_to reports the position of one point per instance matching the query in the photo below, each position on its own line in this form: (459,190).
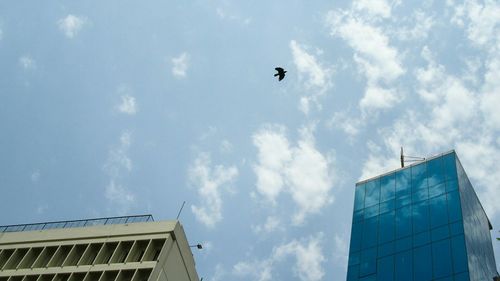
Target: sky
(132,107)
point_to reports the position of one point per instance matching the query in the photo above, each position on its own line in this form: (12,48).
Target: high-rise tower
(423,222)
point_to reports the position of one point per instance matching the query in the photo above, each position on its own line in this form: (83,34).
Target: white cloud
(316,77)
(482,19)
(374,7)
(422,24)
(117,164)
(341,252)
(35,176)
(27,62)
(271,224)
(116,193)
(224,14)
(128,105)
(226,146)
(378,98)
(209,181)
(307,254)
(71,25)
(375,57)
(180,65)
(301,170)
(42,208)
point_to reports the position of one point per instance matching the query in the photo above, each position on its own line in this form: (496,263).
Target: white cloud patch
(210,180)
(117,193)
(128,105)
(378,8)
(316,76)
(376,58)
(27,62)
(301,170)
(180,65)
(341,251)
(35,176)
(481,19)
(117,165)
(225,14)
(307,254)
(271,224)
(71,25)
(422,24)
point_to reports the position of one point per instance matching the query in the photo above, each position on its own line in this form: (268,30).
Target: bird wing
(279,69)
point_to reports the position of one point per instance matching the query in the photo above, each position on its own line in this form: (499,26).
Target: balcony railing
(75,223)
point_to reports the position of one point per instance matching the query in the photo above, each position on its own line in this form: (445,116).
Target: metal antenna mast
(412,158)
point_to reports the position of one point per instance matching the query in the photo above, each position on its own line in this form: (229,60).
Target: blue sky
(119,107)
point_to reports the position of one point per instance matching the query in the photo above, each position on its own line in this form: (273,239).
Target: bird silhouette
(280,74)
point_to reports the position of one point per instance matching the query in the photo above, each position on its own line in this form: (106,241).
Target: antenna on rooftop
(412,158)
(180,210)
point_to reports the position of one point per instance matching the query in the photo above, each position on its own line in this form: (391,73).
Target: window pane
(403,200)
(459,253)
(356,235)
(387,206)
(403,244)
(403,266)
(451,185)
(440,233)
(454,208)
(352,273)
(370,227)
(450,169)
(420,217)
(385,249)
(369,278)
(420,195)
(386,227)
(387,187)
(403,222)
(462,276)
(435,171)
(441,258)
(437,190)
(403,182)
(422,263)
(358,216)
(439,213)
(359,197)
(354,258)
(456,228)
(421,239)
(368,262)
(418,177)
(385,269)
(372,195)
(371,211)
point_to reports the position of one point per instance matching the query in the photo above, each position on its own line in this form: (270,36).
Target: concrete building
(423,222)
(133,248)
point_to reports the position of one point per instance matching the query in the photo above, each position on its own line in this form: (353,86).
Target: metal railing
(75,223)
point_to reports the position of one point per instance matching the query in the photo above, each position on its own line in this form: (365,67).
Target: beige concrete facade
(143,251)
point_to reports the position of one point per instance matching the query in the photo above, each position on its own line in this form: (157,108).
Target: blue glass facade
(421,223)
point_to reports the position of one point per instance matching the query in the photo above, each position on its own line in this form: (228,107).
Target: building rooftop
(75,223)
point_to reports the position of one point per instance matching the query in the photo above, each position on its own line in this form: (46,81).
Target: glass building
(420,223)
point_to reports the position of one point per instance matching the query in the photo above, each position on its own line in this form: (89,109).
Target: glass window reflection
(372,194)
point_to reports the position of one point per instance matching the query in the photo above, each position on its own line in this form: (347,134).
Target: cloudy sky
(130,107)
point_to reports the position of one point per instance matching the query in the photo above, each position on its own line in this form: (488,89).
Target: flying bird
(280,74)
